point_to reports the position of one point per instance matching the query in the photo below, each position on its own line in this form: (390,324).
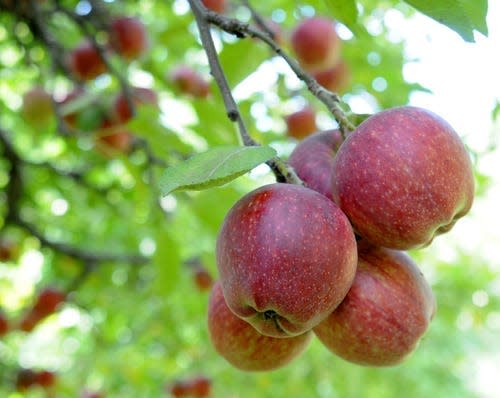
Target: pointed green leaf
(215,167)
(463,16)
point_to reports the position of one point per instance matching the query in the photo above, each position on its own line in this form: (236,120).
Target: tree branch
(331,100)
(282,171)
(14,192)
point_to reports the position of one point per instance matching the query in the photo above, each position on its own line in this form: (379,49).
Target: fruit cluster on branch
(329,258)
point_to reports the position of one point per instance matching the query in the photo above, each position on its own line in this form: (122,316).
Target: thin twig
(241,29)
(282,171)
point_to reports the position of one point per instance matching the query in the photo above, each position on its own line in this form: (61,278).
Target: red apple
(128,37)
(286,257)
(198,387)
(29,321)
(302,123)
(336,79)
(403,177)
(188,81)
(202,279)
(4,324)
(215,5)
(37,106)
(312,160)
(26,378)
(45,378)
(48,300)
(140,95)
(386,312)
(316,43)
(114,140)
(242,345)
(85,61)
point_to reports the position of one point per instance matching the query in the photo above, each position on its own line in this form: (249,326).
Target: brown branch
(15,191)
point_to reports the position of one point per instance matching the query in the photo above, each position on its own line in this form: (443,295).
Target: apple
(140,95)
(114,140)
(128,37)
(215,5)
(386,312)
(29,321)
(37,107)
(188,81)
(336,79)
(48,300)
(4,324)
(312,160)
(25,379)
(242,345)
(85,62)
(286,257)
(198,387)
(316,43)
(9,249)
(202,279)
(301,123)
(45,378)
(403,177)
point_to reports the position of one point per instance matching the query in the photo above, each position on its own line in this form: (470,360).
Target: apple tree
(175,222)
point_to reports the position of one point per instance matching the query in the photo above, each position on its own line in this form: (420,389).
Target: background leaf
(463,16)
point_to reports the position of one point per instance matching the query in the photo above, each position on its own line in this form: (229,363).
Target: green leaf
(345,11)
(215,167)
(247,53)
(463,16)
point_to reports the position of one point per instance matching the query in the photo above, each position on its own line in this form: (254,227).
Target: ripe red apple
(85,61)
(215,5)
(48,300)
(316,43)
(128,37)
(188,81)
(29,321)
(45,378)
(302,123)
(386,312)
(312,160)
(198,387)
(37,106)
(114,140)
(202,279)
(242,345)
(25,379)
(140,95)
(9,249)
(4,324)
(286,257)
(403,177)
(336,79)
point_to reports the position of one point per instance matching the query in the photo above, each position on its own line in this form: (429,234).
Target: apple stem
(282,171)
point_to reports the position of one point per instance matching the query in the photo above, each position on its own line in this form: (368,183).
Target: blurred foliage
(131,329)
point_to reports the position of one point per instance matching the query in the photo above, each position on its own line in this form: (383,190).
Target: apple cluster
(328,258)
